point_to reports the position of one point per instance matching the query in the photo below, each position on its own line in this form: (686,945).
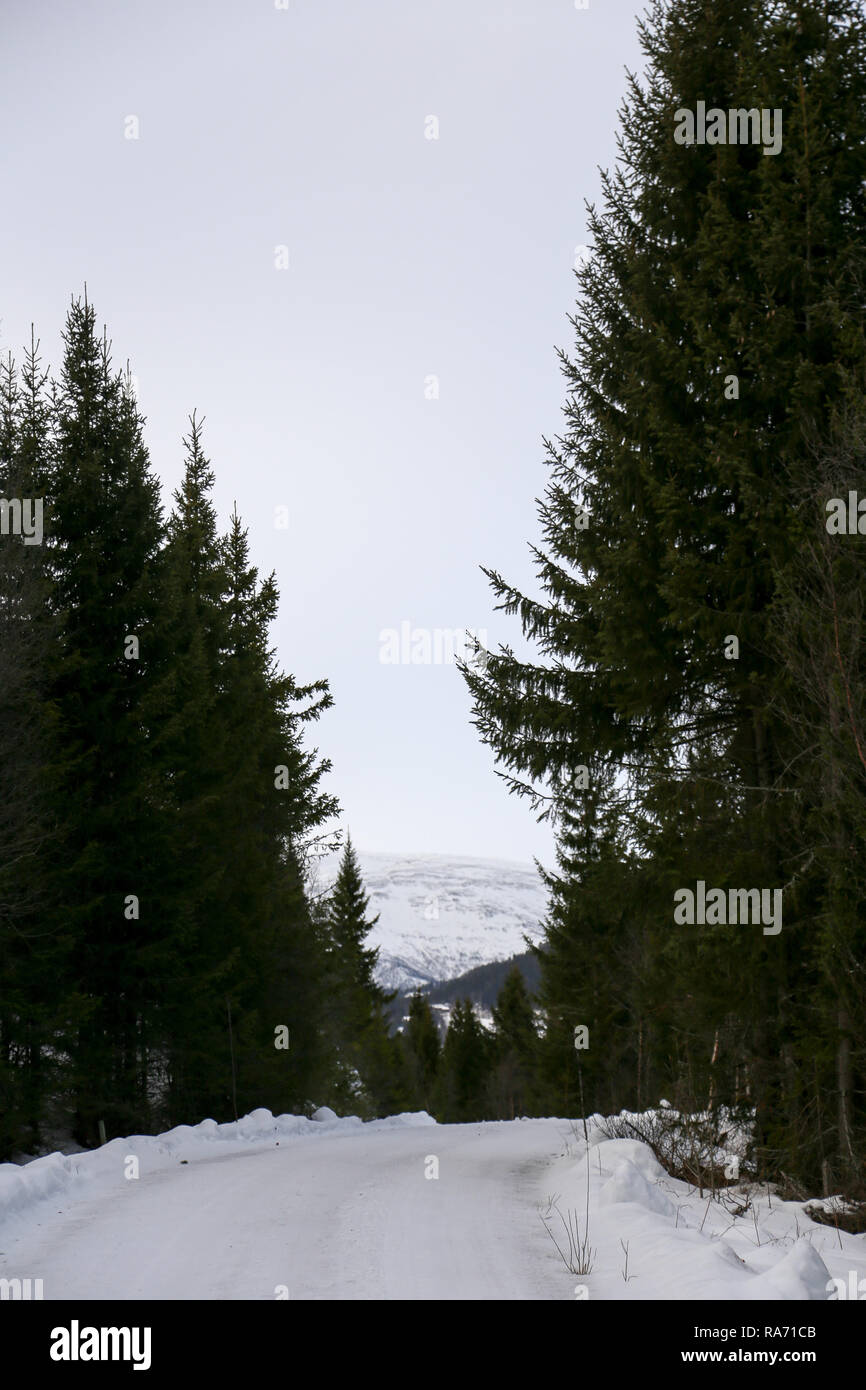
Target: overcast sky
(265,135)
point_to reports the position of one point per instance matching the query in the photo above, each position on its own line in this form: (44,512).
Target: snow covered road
(352,1216)
(272,1207)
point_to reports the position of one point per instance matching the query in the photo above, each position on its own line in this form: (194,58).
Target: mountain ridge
(443,915)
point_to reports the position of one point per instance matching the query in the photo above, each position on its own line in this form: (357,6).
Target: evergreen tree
(160,959)
(715,333)
(190,750)
(515,1047)
(106,530)
(462,1088)
(373,1071)
(36,1007)
(245,973)
(280,975)
(350,928)
(422,1049)
(817,636)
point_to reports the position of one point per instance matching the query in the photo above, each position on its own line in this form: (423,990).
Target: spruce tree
(367,1050)
(160,959)
(190,750)
(715,332)
(350,928)
(279,980)
(462,1090)
(515,1046)
(422,1048)
(817,636)
(106,529)
(36,1006)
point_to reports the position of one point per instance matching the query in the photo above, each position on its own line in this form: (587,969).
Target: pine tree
(35,1007)
(163,960)
(190,751)
(106,529)
(462,1088)
(715,331)
(280,978)
(422,1049)
(350,929)
(514,1049)
(368,1052)
(240,1018)
(817,635)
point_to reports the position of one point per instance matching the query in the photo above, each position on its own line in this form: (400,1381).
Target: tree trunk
(843,1076)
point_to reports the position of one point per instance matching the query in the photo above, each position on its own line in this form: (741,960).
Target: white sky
(408,257)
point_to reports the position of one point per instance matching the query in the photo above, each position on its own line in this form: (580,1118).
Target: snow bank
(798,1274)
(60,1179)
(628,1184)
(655,1237)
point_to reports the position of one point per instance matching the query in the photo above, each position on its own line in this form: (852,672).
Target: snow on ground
(25,1189)
(343,1211)
(442,1014)
(683,1245)
(401,1208)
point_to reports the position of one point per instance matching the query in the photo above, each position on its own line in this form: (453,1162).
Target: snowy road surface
(352,1216)
(325,1208)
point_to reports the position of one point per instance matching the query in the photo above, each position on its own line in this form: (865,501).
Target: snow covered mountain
(441,915)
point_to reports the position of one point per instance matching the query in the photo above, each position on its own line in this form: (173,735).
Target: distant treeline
(481,985)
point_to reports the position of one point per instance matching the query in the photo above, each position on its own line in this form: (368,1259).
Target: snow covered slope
(441,915)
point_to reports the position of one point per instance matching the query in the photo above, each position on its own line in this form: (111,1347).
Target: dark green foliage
(422,1050)
(157,945)
(190,745)
(106,532)
(33,949)
(481,984)
(355,963)
(677,515)
(374,1077)
(515,1050)
(462,1087)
